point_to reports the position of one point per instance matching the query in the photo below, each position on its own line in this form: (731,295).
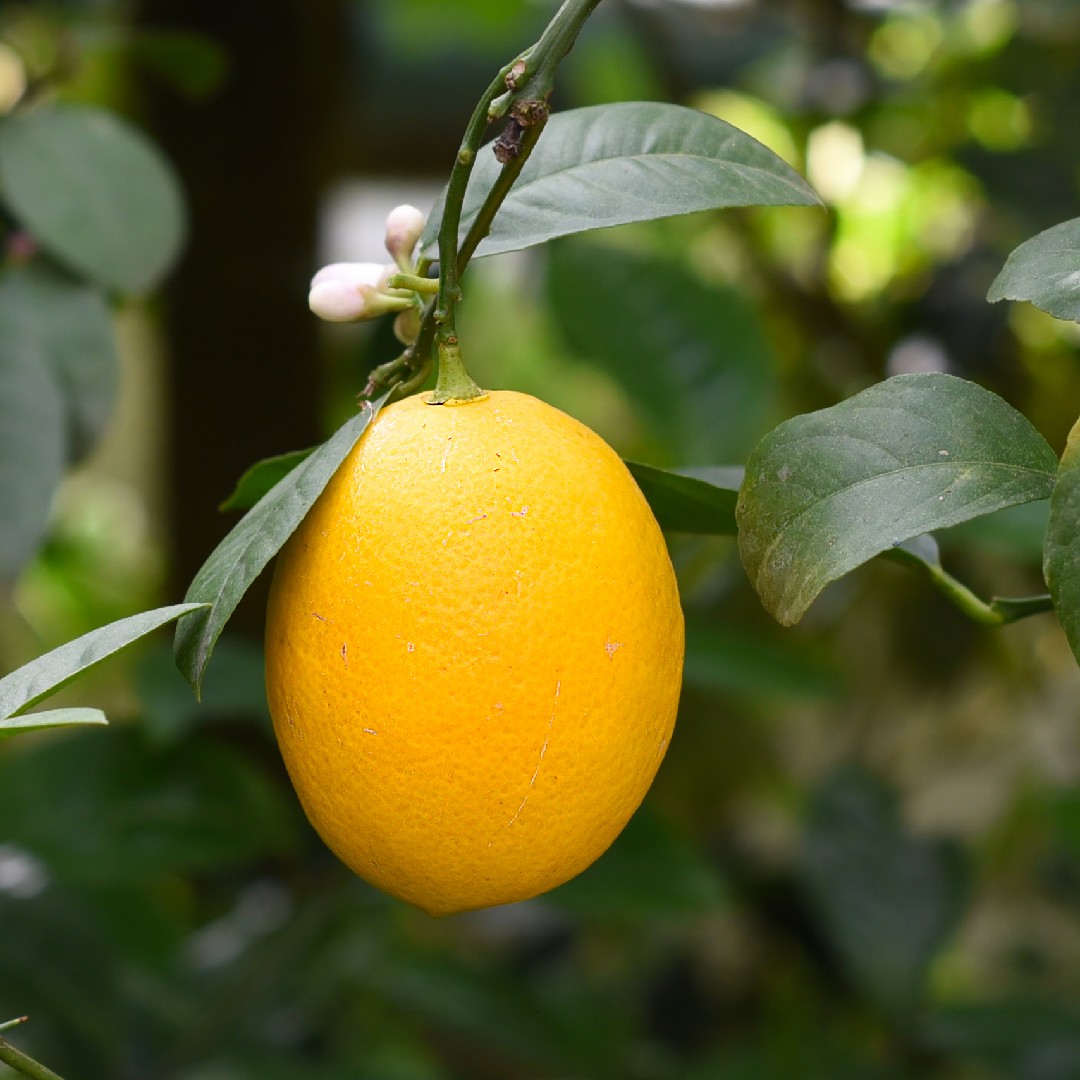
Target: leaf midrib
(1017,469)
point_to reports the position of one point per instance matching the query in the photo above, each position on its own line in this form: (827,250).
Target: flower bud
(404,225)
(407,326)
(349,292)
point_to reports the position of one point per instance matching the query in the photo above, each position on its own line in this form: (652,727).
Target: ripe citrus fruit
(474,652)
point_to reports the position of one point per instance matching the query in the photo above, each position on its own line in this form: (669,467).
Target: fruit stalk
(23,1064)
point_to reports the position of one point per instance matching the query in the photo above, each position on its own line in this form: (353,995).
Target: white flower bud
(404,225)
(349,292)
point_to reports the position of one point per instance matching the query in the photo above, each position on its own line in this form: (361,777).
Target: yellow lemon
(474,652)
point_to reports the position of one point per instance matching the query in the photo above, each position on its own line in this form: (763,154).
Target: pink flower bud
(341,301)
(404,225)
(349,292)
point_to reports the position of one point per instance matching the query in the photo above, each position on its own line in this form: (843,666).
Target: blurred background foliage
(861,858)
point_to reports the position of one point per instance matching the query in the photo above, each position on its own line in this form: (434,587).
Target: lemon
(474,651)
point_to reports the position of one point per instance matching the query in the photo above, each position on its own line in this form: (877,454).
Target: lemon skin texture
(474,652)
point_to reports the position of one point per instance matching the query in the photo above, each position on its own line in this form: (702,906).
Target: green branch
(19,1061)
(998,612)
(521,89)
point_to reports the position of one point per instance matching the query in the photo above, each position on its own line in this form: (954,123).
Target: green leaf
(651,871)
(94,192)
(691,500)
(33,445)
(16,725)
(255,539)
(28,685)
(634,161)
(1044,270)
(693,356)
(70,323)
(1061,566)
(125,812)
(827,491)
(261,477)
(886,901)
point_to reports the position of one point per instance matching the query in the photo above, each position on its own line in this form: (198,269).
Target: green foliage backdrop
(861,858)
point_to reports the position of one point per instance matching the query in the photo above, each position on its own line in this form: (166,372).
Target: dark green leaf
(255,539)
(94,192)
(732,660)
(1061,566)
(1044,270)
(1025,1039)
(123,812)
(28,685)
(16,725)
(691,500)
(694,357)
(651,871)
(634,161)
(261,477)
(827,491)
(886,901)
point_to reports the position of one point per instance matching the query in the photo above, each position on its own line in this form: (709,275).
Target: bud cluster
(354,292)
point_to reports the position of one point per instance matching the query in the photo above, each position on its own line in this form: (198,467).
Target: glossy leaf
(693,356)
(255,539)
(827,491)
(886,901)
(94,192)
(1061,566)
(691,500)
(609,165)
(1045,271)
(16,725)
(32,682)
(261,477)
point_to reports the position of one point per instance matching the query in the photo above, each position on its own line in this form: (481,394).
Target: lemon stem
(21,1063)
(520,91)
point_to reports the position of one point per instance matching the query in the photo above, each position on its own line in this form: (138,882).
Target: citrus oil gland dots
(511,595)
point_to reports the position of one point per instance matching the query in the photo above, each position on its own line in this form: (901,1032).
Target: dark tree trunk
(243,366)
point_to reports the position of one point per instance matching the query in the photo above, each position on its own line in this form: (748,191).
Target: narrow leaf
(827,491)
(1061,565)
(1044,270)
(691,500)
(261,477)
(16,725)
(26,686)
(886,901)
(255,539)
(609,165)
(94,192)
